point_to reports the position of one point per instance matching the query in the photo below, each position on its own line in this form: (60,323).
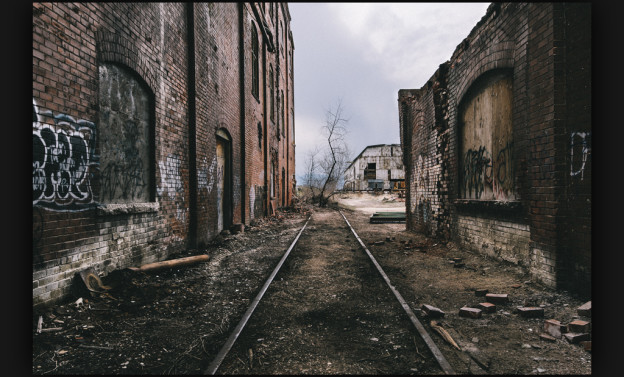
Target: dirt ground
(327,312)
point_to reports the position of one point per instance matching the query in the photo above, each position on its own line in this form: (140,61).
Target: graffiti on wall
(503,180)
(171,185)
(205,175)
(482,173)
(124,178)
(477,171)
(124,137)
(63,161)
(580,152)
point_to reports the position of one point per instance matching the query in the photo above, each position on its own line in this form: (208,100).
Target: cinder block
(470,312)
(574,337)
(579,326)
(481,292)
(432,311)
(497,298)
(585,309)
(553,327)
(531,312)
(487,307)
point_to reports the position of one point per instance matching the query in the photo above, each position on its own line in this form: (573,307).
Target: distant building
(377,167)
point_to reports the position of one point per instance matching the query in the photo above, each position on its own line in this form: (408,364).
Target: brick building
(497,143)
(155,127)
(376,167)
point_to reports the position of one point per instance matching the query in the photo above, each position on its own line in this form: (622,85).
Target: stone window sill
(511,207)
(127,208)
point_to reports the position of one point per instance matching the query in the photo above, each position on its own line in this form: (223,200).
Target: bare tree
(326,173)
(311,178)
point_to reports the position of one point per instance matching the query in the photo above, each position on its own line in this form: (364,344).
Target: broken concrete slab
(237,228)
(531,311)
(497,298)
(432,311)
(585,309)
(470,312)
(553,328)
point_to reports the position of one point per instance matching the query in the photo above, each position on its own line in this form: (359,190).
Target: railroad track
(320,242)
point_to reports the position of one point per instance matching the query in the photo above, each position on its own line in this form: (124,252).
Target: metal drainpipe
(192,127)
(241,41)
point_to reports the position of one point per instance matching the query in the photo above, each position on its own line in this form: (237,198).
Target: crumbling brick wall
(129,103)
(489,139)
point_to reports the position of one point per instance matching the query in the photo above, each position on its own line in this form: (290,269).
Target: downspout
(241,56)
(265,121)
(192,236)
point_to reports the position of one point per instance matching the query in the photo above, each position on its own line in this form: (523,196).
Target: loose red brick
(487,307)
(579,326)
(470,312)
(585,309)
(553,327)
(575,337)
(531,312)
(432,311)
(547,337)
(497,298)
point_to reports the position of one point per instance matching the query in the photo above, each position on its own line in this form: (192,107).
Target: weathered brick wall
(128,100)
(534,164)
(576,209)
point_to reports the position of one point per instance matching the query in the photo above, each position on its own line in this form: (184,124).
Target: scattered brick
(481,292)
(516,286)
(578,326)
(553,327)
(531,312)
(470,312)
(547,337)
(585,309)
(575,337)
(457,265)
(378,243)
(432,311)
(497,298)
(457,260)
(487,307)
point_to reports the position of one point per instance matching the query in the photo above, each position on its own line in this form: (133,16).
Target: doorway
(283,187)
(224,181)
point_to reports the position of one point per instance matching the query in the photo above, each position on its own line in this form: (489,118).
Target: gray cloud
(366,63)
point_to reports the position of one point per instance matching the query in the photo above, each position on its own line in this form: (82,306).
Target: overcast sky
(363,54)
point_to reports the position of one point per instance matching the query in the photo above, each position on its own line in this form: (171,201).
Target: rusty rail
(446,367)
(214,365)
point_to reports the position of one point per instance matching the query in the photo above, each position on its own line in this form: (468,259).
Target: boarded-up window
(371,171)
(125,139)
(486,139)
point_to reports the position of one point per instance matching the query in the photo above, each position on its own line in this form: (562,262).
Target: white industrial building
(377,167)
